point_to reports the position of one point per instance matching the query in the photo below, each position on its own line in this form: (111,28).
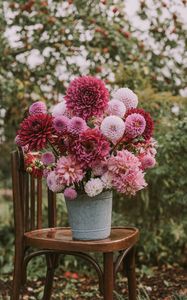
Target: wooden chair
(54,241)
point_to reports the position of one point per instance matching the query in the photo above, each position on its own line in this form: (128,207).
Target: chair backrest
(27,198)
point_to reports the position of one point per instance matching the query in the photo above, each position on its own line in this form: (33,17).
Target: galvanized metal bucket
(90,217)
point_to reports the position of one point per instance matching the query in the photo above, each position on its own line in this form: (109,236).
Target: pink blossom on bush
(69,170)
(135,125)
(86,97)
(38,107)
(70,193)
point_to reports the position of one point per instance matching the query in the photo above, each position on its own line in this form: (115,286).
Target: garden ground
(165,283)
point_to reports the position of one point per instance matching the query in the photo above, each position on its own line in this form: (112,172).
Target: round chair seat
(60,238)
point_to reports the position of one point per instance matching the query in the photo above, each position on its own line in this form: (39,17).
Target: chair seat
(60,238)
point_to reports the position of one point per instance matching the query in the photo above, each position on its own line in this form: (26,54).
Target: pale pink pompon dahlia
(127,96)
(86,97)
(135,125)
(38,107)
(93,187)
(68,170)
(113,128)
(116,108)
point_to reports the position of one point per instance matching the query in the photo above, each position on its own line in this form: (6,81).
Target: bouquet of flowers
(89,143)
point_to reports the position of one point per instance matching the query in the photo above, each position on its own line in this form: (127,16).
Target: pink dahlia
(148,148)
(123,161)
(87,96)
(135,125)
(113,128)
(116,108)
(127,96)
(61,124)
(130,182)
(148,132)
(70,193)
(59,109)
(90,146)
(53,182)
(147,161)
(125,172)
(38,107)
(36,131)
(68,170)
(48,158)
(99,168)
(77,125)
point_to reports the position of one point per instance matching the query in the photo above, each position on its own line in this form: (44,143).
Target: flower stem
(114,148)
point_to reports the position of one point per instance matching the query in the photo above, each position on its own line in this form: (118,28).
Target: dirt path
(162,285)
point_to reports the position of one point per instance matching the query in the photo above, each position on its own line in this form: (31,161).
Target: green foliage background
(116,48)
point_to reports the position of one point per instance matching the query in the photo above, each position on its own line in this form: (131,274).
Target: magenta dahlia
(76,126)
(87,96)
(148,132)
(36,131)
(38,107)
(91,146)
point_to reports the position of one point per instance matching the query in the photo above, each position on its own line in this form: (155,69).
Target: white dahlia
(127,96)
(93,187)
(113,128)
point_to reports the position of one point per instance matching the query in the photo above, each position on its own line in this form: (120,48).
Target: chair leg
(108,276)
(17,276)
(131,275)
(52,263)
